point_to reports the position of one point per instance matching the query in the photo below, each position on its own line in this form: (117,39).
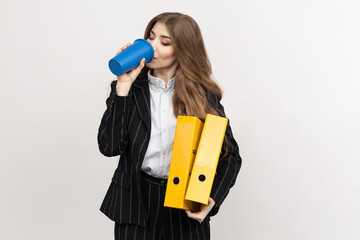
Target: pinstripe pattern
(125,130)
(190,230)
(171,226)
(163,222)
(181,229)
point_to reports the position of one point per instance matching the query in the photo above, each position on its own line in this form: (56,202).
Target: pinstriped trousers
(163,223)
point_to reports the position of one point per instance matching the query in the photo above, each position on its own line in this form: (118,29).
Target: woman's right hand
(129,77)
(125,80)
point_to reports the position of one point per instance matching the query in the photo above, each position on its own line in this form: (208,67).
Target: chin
(149,64)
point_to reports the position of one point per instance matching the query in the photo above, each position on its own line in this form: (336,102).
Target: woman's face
(164,58)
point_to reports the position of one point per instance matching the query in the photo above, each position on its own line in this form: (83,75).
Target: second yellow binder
(207,156)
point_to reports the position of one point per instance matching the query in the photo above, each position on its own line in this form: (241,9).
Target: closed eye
(165,44)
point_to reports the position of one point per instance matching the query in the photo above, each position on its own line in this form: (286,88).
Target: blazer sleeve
(112,133)
(228,168)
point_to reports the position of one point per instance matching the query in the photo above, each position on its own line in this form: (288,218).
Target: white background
(290,75)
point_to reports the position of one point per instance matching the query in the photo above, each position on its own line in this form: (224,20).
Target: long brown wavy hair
(193,74)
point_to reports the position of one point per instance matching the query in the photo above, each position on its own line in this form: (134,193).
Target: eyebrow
(164,36)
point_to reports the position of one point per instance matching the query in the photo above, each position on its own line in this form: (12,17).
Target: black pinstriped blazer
(125,130)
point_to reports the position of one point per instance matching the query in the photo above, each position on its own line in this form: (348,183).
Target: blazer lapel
(142,99)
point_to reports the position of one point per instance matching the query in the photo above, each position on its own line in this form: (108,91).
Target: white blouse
(163,123)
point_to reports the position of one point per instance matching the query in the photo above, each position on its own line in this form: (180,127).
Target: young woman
(139,125)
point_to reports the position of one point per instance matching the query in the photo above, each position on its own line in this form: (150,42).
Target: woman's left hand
(200,216)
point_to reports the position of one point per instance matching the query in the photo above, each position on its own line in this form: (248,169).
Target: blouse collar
(158,83)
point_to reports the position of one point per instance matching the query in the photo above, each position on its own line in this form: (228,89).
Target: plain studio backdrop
(290,75)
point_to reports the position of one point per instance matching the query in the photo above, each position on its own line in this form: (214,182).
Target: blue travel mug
(130,58)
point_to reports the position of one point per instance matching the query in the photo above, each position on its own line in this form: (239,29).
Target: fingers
(141,65)
(211,202)
(123,48)
(196,216)
(135,72)
(201,215)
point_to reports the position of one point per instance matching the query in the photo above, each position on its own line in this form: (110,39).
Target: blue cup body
(130,58)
